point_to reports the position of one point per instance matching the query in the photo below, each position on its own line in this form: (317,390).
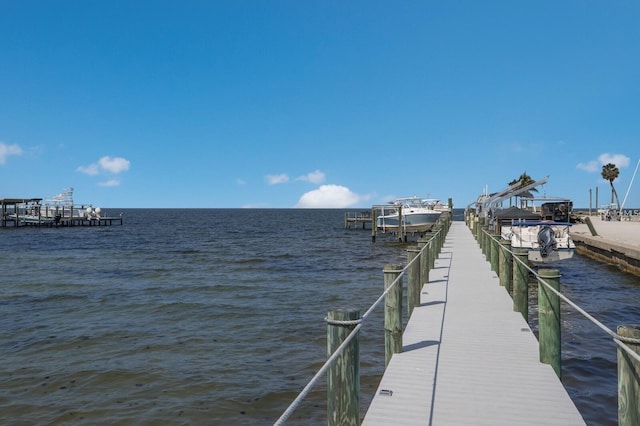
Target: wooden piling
(392,312)
(484,229)
(374,224)
(425,266)
(402,231)
(343,377)
(427,241)
(549,320)
(414,281)
(587,220)
(475,225)
(486,247)
(433,250)
(521,283)
(494,248)
(505,263)
(628,377)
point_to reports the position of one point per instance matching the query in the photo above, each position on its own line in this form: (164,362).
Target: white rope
(347,323)
(359,323)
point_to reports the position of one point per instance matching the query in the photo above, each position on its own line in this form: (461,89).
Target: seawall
(616,243)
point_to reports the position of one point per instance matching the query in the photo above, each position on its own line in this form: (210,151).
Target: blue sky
(282,104)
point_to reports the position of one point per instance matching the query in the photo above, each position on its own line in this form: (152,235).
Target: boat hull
(526,236)
(534,255)
(418,222)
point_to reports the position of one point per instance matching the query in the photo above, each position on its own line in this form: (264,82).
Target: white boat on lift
(544,233)
(413,214)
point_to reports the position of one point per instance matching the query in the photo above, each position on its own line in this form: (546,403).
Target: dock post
(392,312)
(433,253)
(505,265)
(521,283)
(436,240)
(483,239)
(590,226)
(474,226)
(343,377)
(425,266)
(628,378)
(414,282)
(549,320)
(424,262)
(486,246)
(374,223)
(402,230)
(494,245)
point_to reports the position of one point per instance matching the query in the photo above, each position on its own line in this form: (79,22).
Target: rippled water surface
(216,316)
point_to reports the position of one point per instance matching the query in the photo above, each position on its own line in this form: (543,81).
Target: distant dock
(30,212)
(358,220)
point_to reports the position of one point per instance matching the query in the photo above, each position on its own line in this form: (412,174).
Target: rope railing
(619,340)
(358,325)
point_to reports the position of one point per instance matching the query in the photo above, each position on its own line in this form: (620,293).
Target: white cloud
(621,161)
(91,169)
(313,177)
(240,181)
(7,150)
(329,196)
(109,183)
(591,166)
(113,165)
(277,179)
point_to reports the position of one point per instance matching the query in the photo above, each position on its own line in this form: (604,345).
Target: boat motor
(546,240)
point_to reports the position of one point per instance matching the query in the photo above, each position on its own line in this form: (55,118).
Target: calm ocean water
(216,316)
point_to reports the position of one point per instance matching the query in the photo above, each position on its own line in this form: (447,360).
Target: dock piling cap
(392,268)
(629,330)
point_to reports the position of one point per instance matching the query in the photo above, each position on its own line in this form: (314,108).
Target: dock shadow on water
(216,316)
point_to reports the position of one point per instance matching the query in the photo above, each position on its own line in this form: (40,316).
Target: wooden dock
(30,212)
(62,222)
(356,220)
(468,358)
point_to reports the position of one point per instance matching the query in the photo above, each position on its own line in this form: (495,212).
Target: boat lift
(491,205)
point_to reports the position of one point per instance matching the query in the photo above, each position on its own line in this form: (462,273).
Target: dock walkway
(468,358)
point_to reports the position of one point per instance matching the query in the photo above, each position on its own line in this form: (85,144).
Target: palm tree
(524,180)
(610,172)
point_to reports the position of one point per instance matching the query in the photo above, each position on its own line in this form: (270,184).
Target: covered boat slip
(468,358)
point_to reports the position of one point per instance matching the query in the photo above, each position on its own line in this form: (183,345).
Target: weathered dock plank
(468,359)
